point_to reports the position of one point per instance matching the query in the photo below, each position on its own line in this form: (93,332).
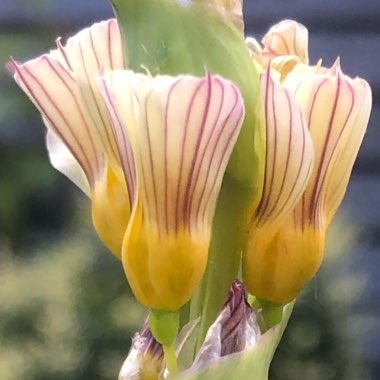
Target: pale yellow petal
(345,156)
(122,106)
(337,110)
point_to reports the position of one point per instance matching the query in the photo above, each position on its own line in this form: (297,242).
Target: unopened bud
(145,360)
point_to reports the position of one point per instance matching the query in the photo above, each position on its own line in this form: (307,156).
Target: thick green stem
(229,231)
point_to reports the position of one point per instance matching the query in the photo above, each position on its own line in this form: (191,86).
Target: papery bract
(145,360)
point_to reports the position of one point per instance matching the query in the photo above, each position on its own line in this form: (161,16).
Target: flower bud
(284,46)
(145,360)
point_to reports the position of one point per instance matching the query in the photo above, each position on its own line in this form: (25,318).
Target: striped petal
(289,162)
(52,88)
(289,153)
(182,131)
(62,84)
(337,108)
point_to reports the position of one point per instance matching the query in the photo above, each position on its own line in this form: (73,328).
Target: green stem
(170,359)
(164,325)
(224,255)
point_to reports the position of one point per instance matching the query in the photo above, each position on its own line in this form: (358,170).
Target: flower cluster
(154,144)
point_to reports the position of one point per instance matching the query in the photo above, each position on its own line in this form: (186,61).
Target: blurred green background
(66,311)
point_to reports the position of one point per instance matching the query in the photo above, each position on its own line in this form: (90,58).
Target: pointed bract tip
(11,66)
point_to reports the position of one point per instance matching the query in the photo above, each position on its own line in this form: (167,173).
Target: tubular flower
(289,159)
(337,110)
(62,84)
(181,132)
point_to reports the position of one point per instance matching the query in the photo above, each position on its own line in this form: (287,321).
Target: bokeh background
(66,311)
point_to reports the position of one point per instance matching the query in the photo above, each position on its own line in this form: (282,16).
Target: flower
(336,107)
(62,85)
(181,131)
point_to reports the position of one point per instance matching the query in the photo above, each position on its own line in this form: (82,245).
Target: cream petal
(349,144)
(86,55)
(62,160)
(289,154)
(52,88)
(182,132)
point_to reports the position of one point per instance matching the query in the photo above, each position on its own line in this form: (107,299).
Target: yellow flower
(181,132)
(62,84)
(279,262)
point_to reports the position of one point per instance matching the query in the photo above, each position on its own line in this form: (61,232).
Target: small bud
(145,360)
